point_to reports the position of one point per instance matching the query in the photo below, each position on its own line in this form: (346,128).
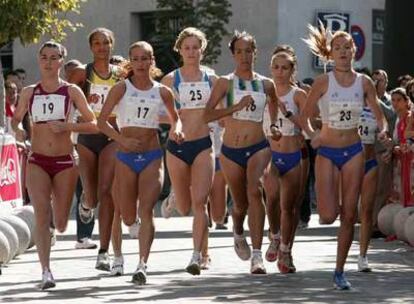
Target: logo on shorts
(8,173)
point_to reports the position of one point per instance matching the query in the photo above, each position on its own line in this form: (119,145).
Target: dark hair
(11,73)
(402,92)
(52,44)
(20,70)
(308,81)
(117,59)
(405,77)
(241,35)
(104,31)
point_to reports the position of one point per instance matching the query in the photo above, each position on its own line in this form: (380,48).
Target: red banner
(10,181)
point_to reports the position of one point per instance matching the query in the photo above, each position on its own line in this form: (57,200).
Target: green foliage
(210,16)
(28,20)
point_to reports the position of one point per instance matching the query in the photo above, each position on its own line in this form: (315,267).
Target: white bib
(367,128)
(102,90)
(343,114)
(48,107)
(194,95)
(254,112)
(141,112)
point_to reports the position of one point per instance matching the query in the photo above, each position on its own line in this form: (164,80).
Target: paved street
(228,280)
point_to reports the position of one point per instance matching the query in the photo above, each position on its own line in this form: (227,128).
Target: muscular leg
(39,186)
(106,208)
(272,190)
(149,183)
(369,187)
(88,170)
(255,170)
(352,174)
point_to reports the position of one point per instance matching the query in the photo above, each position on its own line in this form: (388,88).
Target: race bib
(142,112)
(253,112)
(102,90)
(194,95)
(343,114)
(367,128)
(286,127)
(48,107)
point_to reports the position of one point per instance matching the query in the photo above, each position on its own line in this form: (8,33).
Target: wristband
(273,125)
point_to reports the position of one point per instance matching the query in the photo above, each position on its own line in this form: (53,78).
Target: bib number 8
(252,107)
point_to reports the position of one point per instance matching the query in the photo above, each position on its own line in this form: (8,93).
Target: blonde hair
(154,71)
(320,41)
(191,32)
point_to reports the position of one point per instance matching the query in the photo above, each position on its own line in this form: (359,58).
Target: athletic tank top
(139,108)
(191,95)
(341,107)
(44,106)
(367,126)
(97,85)
(286,127)
(239,88)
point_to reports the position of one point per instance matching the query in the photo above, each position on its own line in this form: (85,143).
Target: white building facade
(272,22)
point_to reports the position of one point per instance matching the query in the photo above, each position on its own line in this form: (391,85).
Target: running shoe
(140,275)
(363,265)
(242,248)
(85,214)
(257,266)
(103,262)
(134,229)
(85,243)
(340,281)
(194,266)
(285,262)
(47,280)
(168,205)
(117,266)
(205,262)
(271,253)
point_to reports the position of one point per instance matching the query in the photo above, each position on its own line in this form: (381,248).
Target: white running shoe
(271,252)
(117,266)
(47,280)
(363,265)
(241,247)
(140,275)
(168,205)
(85,214)
(257,266)
(194,265)
(134,229)
(103,262)
(85,243)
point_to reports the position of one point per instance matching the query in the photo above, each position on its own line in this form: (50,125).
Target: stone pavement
(228,280)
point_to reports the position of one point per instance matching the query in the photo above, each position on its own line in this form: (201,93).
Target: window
(6,56)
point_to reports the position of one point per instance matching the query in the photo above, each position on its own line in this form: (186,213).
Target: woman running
(191,164)
(138,168)
(245,151)
(52,163)
(285,171)
(97,151)
(339,165)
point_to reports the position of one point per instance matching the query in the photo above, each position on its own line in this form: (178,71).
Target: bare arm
(114,96)
(176,125)
(88,124)
(372,102)
(21,110)
(219,91)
